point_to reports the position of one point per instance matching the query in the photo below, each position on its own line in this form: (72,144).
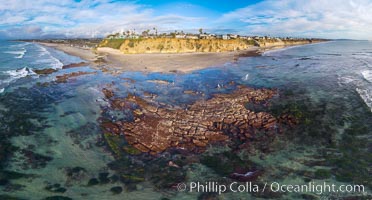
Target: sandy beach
(115,61)
(84,53)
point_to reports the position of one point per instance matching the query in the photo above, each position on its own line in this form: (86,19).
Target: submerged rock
(44,71)
(116,190)
(57,198)
(93,181)
(7,197)
(108,93)
(208,196)
(73,65)
(34,160)
(55,188)
(63,78)
(103,178)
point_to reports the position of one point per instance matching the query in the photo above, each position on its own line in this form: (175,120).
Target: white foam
(15,75)
(19,53)
(245,77)
(280,48)
(346,79)
(366,95)
(43,51)
(367,75)
(57,64)
(53,61)
(18,73)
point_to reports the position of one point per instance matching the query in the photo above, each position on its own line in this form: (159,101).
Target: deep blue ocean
(49,129)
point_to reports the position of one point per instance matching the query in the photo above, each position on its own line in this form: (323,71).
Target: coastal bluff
(174,45)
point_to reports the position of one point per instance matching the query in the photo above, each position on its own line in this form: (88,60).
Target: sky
(334,19)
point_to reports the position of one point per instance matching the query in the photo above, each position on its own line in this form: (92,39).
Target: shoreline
(114,61)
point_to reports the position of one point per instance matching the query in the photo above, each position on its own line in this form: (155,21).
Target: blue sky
(96,18)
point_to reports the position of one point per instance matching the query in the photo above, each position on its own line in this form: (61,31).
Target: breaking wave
(18,73)
(13,75)
(366,95)
(367,75)
(53,61)
(19,53)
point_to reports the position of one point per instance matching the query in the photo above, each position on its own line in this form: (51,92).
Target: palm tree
(156,31)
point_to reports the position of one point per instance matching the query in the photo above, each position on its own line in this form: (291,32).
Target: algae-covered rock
(93,181)
(322,174)
(131,150)
(55,188)
(229,164)
(8,197)
(103,177)
(58,198)
(116,190)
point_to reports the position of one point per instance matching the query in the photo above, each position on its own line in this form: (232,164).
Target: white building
(192,37)
(180,36)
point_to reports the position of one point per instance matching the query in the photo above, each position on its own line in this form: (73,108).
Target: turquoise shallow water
(51,142)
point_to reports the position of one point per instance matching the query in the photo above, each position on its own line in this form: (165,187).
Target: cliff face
(274,42)
(172,45)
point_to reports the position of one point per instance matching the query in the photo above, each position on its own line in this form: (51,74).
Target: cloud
(316,18)
(85,18)
(97,18)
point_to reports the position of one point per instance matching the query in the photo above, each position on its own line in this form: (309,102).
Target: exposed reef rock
(222,118)
(44,71)
(51,70)
(73,65)
(63,78)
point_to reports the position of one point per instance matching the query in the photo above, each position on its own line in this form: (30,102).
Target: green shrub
(131,44)
(160,47)
(112,43)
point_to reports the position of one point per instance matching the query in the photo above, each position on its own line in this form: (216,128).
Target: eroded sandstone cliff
(173,45)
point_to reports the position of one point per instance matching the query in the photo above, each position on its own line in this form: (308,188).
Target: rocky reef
(47,71)
(223,118)
(63,78)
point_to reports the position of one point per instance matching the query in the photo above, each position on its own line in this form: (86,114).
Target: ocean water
(51,142)
(19,58)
